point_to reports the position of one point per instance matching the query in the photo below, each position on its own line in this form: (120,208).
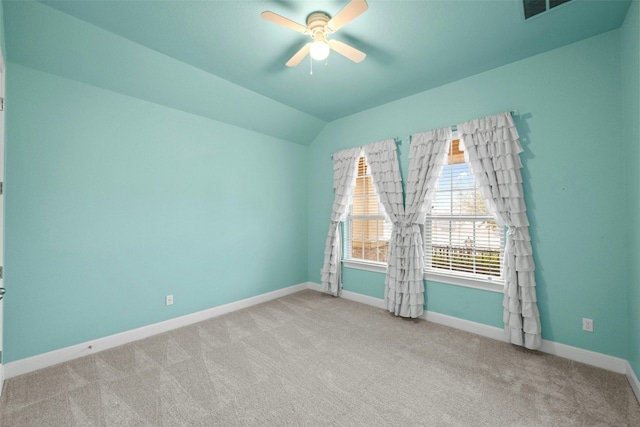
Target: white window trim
(361,263)
(488,284)
(467,281)
(457,278)
(373,265)
(377,267)
(452,277)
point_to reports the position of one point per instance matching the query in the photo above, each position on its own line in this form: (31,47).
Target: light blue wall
(631,114)
(570,121)
(45,39)
(112,203)
(2,42)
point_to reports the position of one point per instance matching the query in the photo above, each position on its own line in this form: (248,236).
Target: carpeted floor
(310,359)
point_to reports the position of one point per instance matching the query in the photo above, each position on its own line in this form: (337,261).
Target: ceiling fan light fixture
(319,50)
(319,25)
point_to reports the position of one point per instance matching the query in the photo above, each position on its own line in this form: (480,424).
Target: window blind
(460,235)
(368,230)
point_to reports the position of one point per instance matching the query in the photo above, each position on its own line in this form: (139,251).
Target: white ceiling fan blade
(299,56)
(348,13)
(345,50)
(285,22)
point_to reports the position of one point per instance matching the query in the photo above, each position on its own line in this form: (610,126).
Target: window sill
(378,267)
(466,281)
(447,279)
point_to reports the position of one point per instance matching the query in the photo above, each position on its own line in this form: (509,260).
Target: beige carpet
(311,359)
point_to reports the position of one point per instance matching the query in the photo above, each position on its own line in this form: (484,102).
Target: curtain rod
(454,128)
(514,113)
(396,140)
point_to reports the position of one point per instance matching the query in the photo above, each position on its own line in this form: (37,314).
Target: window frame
(346,229)
(460,278)
(456,278)
(361,263)
(466,280)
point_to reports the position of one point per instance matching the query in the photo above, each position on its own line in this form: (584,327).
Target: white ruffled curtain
(404,286)
(345,165)
(492,146)
(426,157)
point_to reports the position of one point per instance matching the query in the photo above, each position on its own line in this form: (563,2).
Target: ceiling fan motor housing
(317,22)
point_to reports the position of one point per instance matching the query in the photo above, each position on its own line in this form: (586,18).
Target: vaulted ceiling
(411,46)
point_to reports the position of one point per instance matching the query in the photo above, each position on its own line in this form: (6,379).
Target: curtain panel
(345,165)
(404,285)
(426,158)
(492,147)
(403,289)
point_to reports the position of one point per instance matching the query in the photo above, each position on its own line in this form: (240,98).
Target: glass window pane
(368,236)
(359,189)
(554,3)
(533,7)
(465,241)
(473,246)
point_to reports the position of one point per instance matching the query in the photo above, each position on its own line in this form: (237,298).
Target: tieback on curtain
(403,222)
(492,148)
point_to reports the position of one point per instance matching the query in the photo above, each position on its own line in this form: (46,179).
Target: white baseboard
(44,360)
(315,286)
(1,378)
(588,357)
(364,299)
(633,380)
(353,296)
(51,358)
(576,354)
(464,325)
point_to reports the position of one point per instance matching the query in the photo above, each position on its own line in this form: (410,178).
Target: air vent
(536,7)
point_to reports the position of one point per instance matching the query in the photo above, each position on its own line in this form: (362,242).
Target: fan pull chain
(310,65)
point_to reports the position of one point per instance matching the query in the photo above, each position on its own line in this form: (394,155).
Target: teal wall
(2,42)
(631,114)
(112,203)
(46,39)
(570,119)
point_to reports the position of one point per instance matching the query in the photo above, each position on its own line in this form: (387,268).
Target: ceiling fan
(319,25)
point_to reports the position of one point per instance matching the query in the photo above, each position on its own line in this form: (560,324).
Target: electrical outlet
(169,300)
(587,325)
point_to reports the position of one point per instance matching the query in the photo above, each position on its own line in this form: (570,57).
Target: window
(461,237)
(536,7)
(462,242)
(367,230)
